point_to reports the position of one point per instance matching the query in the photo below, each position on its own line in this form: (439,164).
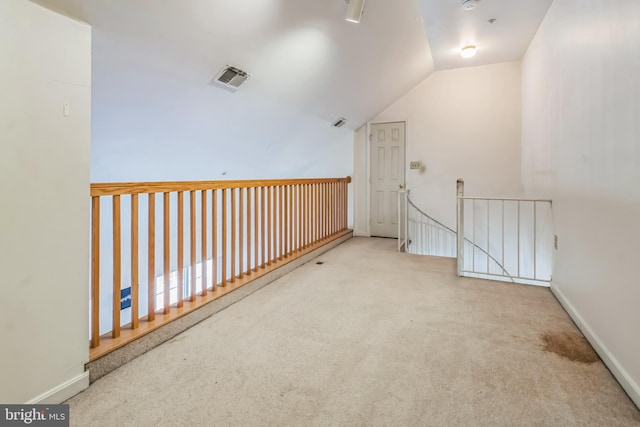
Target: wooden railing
(227,232)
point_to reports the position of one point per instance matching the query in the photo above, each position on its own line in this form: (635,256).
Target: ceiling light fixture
(354,10)
(469,4)
(468,51)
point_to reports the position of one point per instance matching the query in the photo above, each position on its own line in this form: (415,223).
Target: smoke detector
(469,4)
(230,78)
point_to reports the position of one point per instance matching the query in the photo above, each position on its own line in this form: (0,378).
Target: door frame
(368,169)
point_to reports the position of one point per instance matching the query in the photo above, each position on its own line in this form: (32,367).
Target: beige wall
(462,123)
(44,213)
(581,146)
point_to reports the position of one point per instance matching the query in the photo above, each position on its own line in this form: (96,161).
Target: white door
(387,176)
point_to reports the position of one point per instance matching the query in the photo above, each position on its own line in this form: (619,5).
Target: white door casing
(387,176)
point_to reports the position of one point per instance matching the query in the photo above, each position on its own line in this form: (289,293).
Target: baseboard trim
(63,391)
(626,382)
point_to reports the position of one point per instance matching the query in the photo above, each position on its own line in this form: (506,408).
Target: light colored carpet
(371,337)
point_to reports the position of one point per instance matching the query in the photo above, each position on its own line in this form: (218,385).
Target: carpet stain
(572,346)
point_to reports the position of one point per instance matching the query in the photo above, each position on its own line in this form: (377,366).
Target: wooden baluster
(241,237)
(276,222)
(192,243)
(345,200)
(339,200)
(285,222)
(203,243)
(309,214)
(318,214)
(342,223)
(295,222)
(332,213)
(321,212)
(180,250)
(167,254)
(95,272)
(300,216)
(282,217)
(249,231)
(305,217)
(234,224)
(316,223)
(330,196)
(262,228)
(325,212)
(269,217)
(214,240)
(135,316)
(291,220)
(117,271)
(151,259)
(224,237)
(294,218)
(329,208)
(338,207)
(255,228)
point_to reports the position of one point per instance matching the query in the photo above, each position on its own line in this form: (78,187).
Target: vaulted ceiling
(153,104)
(300,52)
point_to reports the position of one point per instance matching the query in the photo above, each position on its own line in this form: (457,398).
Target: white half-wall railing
(421,234)
(511,239)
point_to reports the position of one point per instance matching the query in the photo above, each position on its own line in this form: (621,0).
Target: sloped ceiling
(299,52)
(156,115)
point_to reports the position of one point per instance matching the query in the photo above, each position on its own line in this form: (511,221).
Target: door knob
(401,185)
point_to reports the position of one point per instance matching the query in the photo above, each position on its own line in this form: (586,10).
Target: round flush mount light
(469,4)
(468,51)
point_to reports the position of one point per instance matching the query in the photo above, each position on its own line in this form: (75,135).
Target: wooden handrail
(243,228)
(122,188)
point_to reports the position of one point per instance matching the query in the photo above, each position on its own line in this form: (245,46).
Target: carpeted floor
(370,337)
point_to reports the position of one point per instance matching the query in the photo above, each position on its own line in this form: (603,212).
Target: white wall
(462,123)
(580,145)
(44,183)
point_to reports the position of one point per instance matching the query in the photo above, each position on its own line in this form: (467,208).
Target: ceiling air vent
(230,77)
(341,121)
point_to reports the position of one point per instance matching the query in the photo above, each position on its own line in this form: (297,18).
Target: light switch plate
(415,165)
